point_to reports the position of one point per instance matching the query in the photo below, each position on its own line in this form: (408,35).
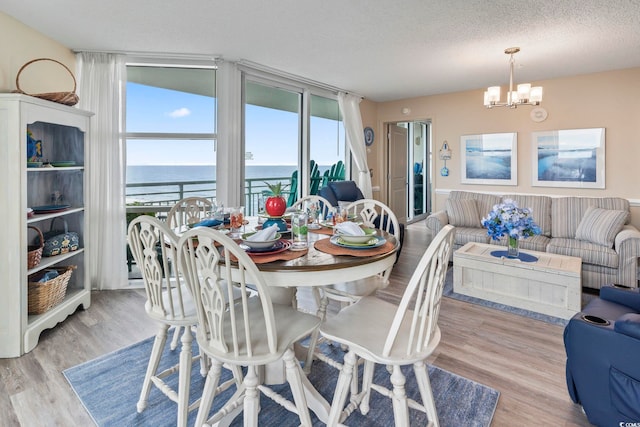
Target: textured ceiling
(383,50)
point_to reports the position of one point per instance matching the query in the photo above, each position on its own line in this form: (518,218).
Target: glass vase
(512,248)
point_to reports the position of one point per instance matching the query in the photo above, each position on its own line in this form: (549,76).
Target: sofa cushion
(533,243)
(540,209)
(600,226)
(484,202)
(589,252)
(465,235)
(463,213)
(567,212)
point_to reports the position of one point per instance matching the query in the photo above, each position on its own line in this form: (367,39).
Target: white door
(397,175)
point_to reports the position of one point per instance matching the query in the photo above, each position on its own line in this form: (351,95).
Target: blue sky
(271,135)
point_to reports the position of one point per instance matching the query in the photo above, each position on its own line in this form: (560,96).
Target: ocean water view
(173,181)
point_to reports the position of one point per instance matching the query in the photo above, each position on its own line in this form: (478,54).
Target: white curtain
(350,109)
(101,79)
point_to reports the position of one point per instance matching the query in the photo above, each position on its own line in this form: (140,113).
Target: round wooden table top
(316,260)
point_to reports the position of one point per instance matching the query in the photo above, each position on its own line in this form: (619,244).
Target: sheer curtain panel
(101,78)
(350,109)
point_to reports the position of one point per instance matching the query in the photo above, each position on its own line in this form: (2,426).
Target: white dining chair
(188,211)
(373,214)
(405,334)
(251,333)
(323,204)
(169,303)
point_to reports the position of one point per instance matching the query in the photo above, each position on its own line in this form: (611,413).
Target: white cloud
(180,112)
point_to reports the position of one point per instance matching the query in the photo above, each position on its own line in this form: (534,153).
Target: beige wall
(21,44)
(610,100)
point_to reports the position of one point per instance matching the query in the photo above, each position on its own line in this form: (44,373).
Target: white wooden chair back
(212,265)
(420,302)
(153,245)
(323,204)
(188,211)
(369,210)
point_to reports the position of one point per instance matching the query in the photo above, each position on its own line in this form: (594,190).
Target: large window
(286,141)
(171,133)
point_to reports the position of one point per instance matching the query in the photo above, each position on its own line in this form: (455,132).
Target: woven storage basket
(45,295)
(66,98)
(35,252)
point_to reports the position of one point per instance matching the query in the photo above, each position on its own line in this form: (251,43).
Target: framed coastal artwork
(489,159)
(568,158)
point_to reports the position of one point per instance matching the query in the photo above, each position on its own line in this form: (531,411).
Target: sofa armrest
(628,324)
(436,221)
(624,296)
(627,245)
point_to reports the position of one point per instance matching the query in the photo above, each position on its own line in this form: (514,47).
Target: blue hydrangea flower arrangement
(510,220)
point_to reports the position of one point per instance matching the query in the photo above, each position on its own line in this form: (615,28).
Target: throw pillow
(463,213)
(600,226)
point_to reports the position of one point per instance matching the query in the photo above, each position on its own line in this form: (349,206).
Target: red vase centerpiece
(275,206)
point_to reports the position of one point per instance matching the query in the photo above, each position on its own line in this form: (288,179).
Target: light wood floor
(523,359)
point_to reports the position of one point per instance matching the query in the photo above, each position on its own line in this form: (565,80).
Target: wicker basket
(66,98)
(45,295)
(35,252)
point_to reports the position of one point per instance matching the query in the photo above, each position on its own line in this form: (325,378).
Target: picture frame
(489,159)
(572,158)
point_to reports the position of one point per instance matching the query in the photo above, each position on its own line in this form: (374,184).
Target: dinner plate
(50,208)
(376,241)
(280,246)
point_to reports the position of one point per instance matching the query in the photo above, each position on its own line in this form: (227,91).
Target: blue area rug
(109,388)
(448,292)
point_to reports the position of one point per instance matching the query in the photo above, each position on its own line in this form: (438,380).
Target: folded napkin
(208,223)
(265,234)
(350,228)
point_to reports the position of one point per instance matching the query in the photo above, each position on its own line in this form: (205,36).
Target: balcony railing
(161,196)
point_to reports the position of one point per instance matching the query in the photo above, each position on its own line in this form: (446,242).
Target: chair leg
(400,404)
(176,337)
(152,367)
(251,398)
(342,387)
(209,392)
(294,378)
(367,380)
(315,335)
(424,385)
(184,374)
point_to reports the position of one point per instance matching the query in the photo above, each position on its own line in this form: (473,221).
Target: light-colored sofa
(595,229)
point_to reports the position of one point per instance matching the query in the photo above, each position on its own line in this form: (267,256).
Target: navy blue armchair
(603,357)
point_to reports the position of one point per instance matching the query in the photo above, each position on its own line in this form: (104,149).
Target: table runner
(324,245)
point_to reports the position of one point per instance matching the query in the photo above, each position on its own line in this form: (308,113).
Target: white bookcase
(64,132)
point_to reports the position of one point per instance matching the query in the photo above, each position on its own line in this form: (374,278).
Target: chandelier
(524,95)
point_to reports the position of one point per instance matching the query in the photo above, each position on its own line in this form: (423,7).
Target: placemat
(282,256)
(322,230)
(324,245)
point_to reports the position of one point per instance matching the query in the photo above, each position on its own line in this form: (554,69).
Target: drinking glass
(314,210)
(299,230)
(236,221)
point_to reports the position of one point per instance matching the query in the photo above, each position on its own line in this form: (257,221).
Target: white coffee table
(550,285)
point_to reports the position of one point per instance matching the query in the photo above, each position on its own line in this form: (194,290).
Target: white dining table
(315,269)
